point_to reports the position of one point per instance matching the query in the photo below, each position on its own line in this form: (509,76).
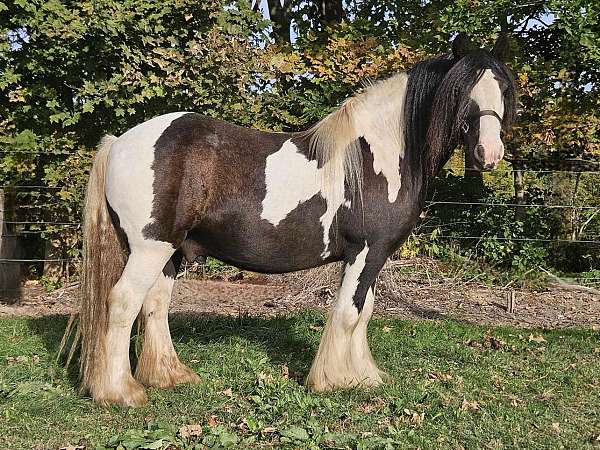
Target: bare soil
(417,296)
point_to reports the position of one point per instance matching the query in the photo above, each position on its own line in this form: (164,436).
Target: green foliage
(73,71)
(506,236)
(50,283)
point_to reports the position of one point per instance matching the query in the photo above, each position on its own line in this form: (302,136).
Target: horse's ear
(501,47)
(461,45)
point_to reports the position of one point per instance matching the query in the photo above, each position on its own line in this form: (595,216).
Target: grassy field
(453,385)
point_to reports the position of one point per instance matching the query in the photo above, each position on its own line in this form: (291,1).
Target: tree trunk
(281,17)
(332,12)
(10,273)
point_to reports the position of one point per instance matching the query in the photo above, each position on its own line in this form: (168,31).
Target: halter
(466,124)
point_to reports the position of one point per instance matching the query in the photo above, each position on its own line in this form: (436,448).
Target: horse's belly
(245,240)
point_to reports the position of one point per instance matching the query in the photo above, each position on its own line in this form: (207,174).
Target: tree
(75,70)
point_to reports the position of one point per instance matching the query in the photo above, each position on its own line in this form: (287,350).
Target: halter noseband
(466,124)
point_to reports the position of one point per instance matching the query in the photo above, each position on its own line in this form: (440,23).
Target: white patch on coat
(488,95)
(129,175)
(291,179)
(344,309)
(380,120)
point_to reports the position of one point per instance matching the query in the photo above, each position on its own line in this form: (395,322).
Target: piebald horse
(349,189)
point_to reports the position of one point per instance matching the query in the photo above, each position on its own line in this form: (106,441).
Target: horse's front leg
(344,358)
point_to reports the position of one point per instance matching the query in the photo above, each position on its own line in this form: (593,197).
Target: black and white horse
(349,189)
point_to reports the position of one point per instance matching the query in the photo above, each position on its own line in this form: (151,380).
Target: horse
(350,189)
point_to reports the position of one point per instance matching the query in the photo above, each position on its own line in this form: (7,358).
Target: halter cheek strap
(466,124)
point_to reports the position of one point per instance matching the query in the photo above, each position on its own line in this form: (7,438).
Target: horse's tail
(102,265)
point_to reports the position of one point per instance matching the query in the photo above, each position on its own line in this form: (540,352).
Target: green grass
(453,385)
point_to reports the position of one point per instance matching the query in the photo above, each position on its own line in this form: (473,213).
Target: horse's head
(489,106)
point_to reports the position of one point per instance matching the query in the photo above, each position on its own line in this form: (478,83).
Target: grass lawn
(453,385)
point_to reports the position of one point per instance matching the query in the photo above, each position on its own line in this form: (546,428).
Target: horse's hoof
(131,394)
(166,376)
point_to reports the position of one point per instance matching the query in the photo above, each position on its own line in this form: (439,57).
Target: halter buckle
(464,126)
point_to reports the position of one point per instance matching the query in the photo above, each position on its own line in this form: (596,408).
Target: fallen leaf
(414,417)
(494,343)
(326,293)
(439,376)
(212,421)
(556,427)
(387,329)
(11,360)
(366,407)
(228,392)
(469,405)
(316,328)
(538,339)
(285,371)
(264,376)
(417,418)
(514,400)
(268,430)
(191,430)
(472,343)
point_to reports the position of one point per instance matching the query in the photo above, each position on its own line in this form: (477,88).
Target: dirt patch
(414,296)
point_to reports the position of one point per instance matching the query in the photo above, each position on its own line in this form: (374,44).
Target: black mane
(437,101)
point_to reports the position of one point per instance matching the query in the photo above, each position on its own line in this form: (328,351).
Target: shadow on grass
(280,337)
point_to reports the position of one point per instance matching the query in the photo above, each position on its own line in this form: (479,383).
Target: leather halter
(466,124)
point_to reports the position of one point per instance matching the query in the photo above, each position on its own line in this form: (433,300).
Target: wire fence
(446,232)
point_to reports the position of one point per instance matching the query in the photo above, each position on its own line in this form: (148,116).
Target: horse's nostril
(490,166)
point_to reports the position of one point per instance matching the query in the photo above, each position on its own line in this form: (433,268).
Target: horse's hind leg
(158,365)
(115,384)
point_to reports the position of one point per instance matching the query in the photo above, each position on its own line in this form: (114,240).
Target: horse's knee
(123,306)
